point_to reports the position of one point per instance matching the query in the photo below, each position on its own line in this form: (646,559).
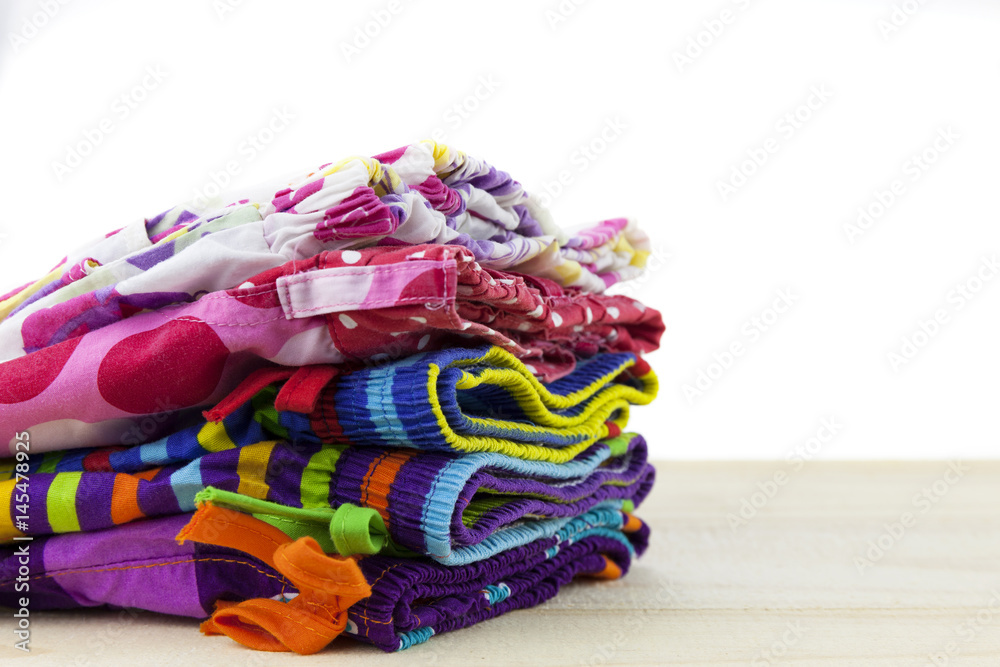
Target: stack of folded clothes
(387,399)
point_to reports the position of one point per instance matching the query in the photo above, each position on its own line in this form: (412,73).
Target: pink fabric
(152,369)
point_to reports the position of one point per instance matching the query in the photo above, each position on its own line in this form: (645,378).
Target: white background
(685,127)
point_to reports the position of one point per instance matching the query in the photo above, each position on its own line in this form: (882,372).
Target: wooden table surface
(832,564)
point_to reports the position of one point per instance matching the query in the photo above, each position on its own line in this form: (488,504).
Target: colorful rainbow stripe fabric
(141,565)
(80,388)
(383,399)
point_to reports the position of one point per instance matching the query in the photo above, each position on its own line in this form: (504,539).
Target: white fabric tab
(135,236)
(367,287)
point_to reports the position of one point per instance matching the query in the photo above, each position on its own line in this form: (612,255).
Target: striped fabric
(463,400)
(455,508)
(83,386)
(480,400)
(389,438)
(387,398)
(414,600)
(411,599)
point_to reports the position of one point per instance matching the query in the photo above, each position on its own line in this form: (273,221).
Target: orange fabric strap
(632,523)
(327,585)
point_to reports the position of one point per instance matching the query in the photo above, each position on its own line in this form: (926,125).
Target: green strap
(347,530)
(357,530)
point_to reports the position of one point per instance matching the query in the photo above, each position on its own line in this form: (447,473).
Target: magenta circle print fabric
(385,398)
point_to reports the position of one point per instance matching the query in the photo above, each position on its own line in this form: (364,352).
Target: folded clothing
(374,304)
(395,603)
(460,399)
(476,400)
(414,600)
(424,193)
(455,508)
(417,390)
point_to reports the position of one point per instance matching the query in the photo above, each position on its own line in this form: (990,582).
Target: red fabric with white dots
(132,380)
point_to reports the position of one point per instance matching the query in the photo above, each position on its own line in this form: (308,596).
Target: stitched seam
(288,297)
(329,612)
(368,478)
(213,297)
(384,572)
(147,565)
(226,295)
(245,529)
(377,268)
(189,318)
(409,268)
(371,620)
(443,301)
(226,612)
(298,622)
(309,575)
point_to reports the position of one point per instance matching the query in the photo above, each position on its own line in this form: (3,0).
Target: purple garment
(141,566)
(136,565)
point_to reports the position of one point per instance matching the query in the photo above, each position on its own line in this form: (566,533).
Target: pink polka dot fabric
(343,307)
(418,194)
(364,337)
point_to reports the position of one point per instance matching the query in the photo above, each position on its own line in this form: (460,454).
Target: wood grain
(785,587)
